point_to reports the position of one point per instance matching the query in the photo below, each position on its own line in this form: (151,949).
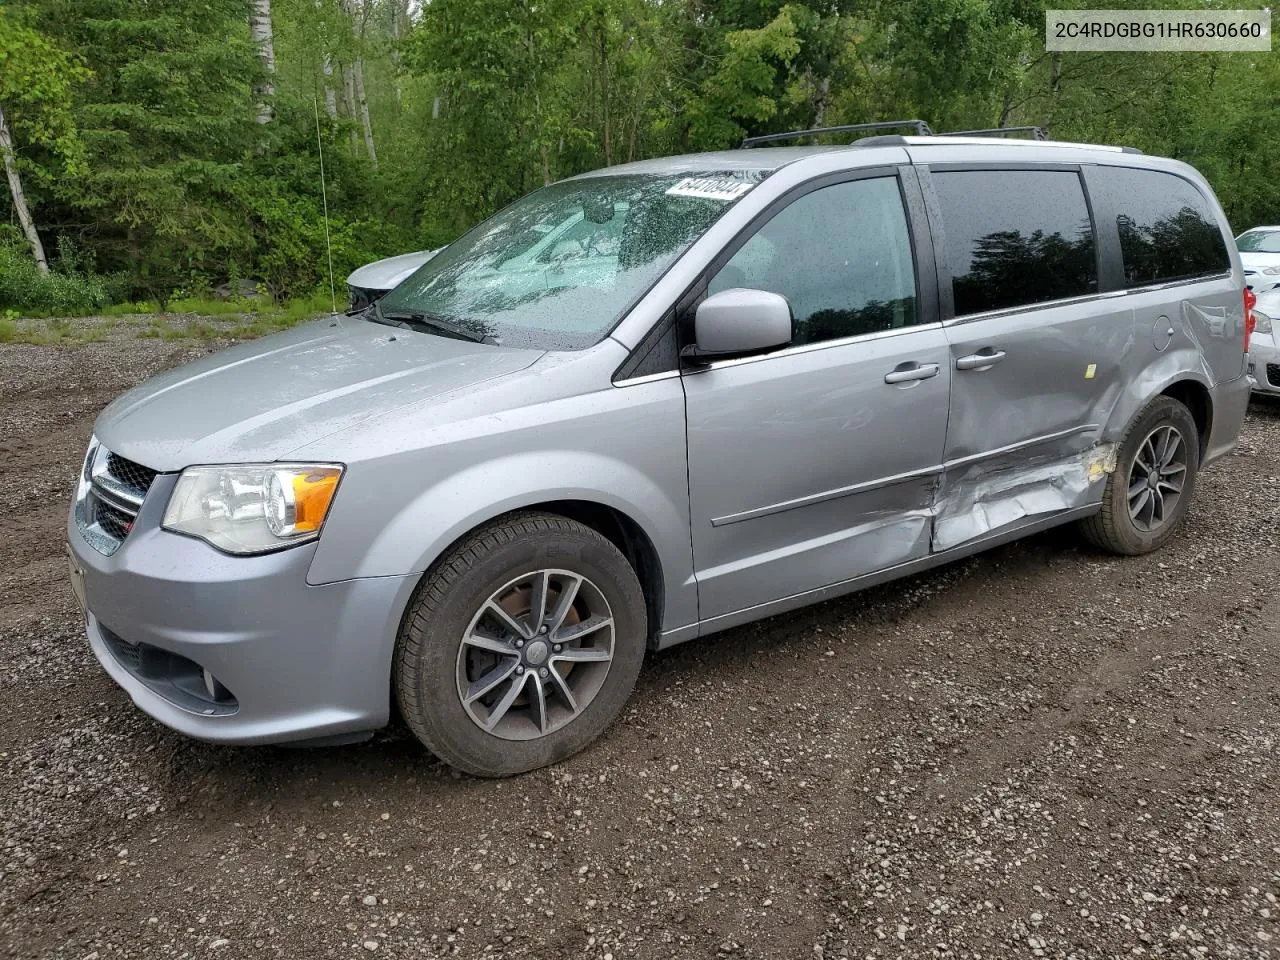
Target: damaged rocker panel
(999,493)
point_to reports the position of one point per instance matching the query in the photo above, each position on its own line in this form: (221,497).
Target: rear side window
(1015,237)
(1168,229)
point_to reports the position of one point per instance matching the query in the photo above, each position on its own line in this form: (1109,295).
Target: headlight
(253,507)
(358,298)
(1261,322)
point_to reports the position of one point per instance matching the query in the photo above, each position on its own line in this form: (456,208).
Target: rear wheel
(1150,490)
(521,645)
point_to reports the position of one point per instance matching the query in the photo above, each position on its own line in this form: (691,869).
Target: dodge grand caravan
(734,384)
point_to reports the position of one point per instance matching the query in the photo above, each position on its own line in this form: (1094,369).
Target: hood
(1253,260)
(261,400)
(387,274)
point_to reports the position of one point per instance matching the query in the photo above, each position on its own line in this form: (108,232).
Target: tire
(1114,528)
(510,562)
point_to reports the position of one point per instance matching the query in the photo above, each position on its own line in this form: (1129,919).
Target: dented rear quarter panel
(1037,434)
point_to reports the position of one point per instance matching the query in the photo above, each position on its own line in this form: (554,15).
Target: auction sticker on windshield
(709,188)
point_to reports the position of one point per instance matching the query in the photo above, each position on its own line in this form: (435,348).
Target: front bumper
(292,661)
(1264,364)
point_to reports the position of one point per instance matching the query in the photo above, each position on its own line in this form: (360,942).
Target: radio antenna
(324,199)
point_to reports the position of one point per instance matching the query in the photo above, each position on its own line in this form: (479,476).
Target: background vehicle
(803,371)
(1264,345)
(1260,255)
(370,282)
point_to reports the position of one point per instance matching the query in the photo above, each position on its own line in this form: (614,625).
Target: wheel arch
(615,526)
(1181,375)
(612,522)
(1195,396)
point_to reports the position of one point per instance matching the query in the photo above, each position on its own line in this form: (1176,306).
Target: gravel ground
(1042,751)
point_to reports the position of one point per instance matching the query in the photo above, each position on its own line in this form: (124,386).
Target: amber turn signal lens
(312,493)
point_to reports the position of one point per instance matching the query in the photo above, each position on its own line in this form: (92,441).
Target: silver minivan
(646,404)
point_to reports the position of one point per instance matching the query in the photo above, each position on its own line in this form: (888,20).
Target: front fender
(447,511)
(622,448)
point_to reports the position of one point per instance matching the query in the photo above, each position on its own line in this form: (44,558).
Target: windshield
(558,268)
(1259,241)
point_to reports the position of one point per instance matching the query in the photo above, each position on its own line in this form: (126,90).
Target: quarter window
(1016,237)
(1168,230)
(841,256)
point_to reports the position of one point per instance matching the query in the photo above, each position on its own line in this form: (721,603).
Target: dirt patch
(1040,751)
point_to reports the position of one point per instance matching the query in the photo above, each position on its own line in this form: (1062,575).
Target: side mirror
(737,322)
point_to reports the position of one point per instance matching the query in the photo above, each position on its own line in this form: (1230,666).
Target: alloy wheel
(1156,478)
(535,654)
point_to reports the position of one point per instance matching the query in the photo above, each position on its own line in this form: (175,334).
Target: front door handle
(984,358)
(911,371)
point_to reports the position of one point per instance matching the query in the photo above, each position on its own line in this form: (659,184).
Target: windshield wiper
(439,324)
(374,312)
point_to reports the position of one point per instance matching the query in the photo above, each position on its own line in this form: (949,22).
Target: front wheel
(1150,490)
(521,645)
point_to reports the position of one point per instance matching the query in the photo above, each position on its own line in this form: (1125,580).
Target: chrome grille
(133,475)
(109,497)
(116,523)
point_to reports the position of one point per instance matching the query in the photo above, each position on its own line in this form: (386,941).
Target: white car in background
(1264,345)
(370,282)
(1260,253)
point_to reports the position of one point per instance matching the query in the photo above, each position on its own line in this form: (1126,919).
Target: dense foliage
(161,153)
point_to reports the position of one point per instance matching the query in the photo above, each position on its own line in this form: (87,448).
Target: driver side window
(841,255)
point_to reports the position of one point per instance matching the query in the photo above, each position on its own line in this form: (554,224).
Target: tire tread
(437,583)
(1103,529)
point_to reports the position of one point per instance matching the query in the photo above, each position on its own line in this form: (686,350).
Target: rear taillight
(1250,300)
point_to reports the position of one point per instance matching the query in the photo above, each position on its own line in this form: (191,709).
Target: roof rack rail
(1037,133)
(919,126)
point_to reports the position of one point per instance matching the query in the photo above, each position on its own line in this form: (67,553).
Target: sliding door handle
(987,357)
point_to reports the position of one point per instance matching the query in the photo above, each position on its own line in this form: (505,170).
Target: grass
(50,332)
(199,305)
(188,318)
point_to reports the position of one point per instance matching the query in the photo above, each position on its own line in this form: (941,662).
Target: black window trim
(934,207)
(1112,231)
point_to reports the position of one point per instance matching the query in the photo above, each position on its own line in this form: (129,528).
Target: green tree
(493,65)
(167,126)
(36,82)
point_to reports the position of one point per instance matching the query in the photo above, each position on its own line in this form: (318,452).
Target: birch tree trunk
(330,95)
(263,39)
(399,18)
(19,197)
(355,77)
(364,112)
(349,95)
